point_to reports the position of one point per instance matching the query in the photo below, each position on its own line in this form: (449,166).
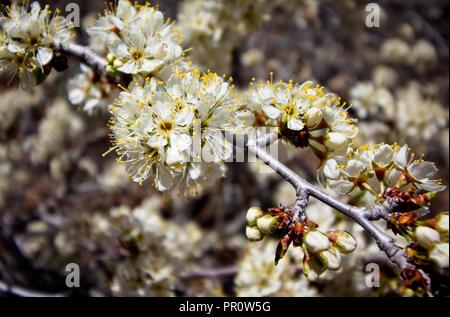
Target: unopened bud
(253,234)
(253,214)
(331,258)
(110,69)
(313,268)
(316,241)
(313,117)
(343,240)
(335,140)
(442,222)
(110,57)
(267,224)
(117,63)
(427,237)
(439,255)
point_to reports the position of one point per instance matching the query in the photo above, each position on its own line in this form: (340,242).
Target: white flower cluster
(414,116)
(14,103)
(113,178)
(369,100)
(378,167)
(304,114)
(173,131)
(138,38)
(419,116)
(157,250)
(60,128)
(213,28)
(7,170)
(421,54)
(28,39)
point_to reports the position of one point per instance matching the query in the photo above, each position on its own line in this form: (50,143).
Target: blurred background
(62,202)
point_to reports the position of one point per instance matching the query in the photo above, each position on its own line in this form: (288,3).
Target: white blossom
(138,38)
(157,125)
(28,40)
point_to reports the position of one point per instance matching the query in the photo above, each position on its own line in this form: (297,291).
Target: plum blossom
(29,37)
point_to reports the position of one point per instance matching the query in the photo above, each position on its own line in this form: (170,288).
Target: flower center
(290,111)
(166,126)
(34,41)
(137,55)
(151,153)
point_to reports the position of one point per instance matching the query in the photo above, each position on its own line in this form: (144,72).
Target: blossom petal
(271,111)
(44,55)
(295,124)
(164,178)
(383,155)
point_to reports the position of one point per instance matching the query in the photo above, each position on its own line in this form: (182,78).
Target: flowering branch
(362,216)
(154,122)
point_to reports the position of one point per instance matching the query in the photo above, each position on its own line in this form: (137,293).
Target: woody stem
(86,55)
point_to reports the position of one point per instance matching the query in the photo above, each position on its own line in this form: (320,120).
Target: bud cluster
(321,251)
(259,224)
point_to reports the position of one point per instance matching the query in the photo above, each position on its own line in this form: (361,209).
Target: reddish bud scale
(406,200)
(415,279)
(282,247)
(332,236)
(400,222)
(297,138)
(283,215)
(293,230)
(430,222)
(296,232)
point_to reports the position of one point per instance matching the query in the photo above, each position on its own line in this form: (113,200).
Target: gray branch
(86,55)
(300,205)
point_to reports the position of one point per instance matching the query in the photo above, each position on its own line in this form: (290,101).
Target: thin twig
(211,273)
(300,205)
(86,55)
(24,292)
